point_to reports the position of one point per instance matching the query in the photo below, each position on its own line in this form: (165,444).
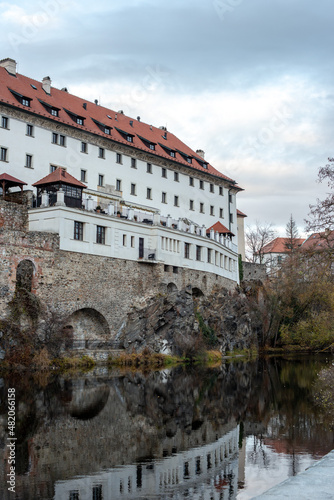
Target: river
(228,432)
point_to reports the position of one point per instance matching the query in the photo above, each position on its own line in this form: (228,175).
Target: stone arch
(197,292)
(24,275)
(172,288)
(87,327)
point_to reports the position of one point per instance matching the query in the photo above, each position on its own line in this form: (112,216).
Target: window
(97,492)
(52,168)
(212,210)
(62,140)
(149,193)
(201,208)
(28,161)
(209,255)
(80,121)
(191,204)
(118,158)
(212,188)
(172,153)
(124,240)
(3,154)
(74,495)
(84,147)
(221,213)
(133,189)
(176,201)
(101,235)
(164,172)
(198,252)
(230,198)
(129,138)
(54,138)
(54,112)
(152,147)
(101,152)
(132,241)
(191,181)
(118,185)
(189,160)
(149,168)
(231,218)
(187,250)
(4,122)
(163,197)
(221,190)
(176,176)
(107,130)
(201,184)
(78,230)
(133,163)
(30,130)
(175,270)
(83,175)
(101,180)
(25,102)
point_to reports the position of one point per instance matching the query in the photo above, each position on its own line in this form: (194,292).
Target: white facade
(128,175)
(179,246)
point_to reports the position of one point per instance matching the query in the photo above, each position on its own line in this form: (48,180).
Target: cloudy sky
(248,81)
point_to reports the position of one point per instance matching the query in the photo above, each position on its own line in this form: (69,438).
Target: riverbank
(315,482)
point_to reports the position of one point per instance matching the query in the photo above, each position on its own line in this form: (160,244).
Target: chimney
(9,65)
(200,153)
(46,84)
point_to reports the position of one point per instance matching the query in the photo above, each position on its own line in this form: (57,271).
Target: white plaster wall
(167,244)
(70,157)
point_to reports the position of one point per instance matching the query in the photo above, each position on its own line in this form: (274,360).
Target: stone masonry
(80,286)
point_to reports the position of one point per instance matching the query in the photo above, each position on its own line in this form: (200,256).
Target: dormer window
(80,120)
(188,159)
(128,137)
(147,143)
(172,153)
(50,109)
(24,100)
(104,128)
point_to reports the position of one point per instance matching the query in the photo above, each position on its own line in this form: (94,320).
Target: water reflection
(184,433)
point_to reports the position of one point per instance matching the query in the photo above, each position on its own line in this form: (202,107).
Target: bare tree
(257,238)
(322,214)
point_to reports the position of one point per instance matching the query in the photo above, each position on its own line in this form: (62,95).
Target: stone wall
(254,271)
(73,282)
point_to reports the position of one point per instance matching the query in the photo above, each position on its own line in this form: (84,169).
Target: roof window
(21,98)
(80,120)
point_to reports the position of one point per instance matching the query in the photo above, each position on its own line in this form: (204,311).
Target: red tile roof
(240,214)
(96,117)
(319,241)
(219,228)
(12,180)
(59,175)
(279,245)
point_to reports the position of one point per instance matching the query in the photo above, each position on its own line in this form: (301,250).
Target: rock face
(179,321)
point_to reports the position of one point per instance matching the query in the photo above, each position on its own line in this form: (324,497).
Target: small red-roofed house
(276,250)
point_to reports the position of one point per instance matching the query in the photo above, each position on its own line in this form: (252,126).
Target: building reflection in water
(209,472)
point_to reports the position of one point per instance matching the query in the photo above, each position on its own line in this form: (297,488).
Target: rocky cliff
(180,322)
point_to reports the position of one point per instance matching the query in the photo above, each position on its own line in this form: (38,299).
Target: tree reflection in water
(196,433)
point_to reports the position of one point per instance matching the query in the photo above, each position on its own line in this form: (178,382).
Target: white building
(166,194)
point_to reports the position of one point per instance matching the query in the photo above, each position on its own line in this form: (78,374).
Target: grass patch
(85,363)
(146,359)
